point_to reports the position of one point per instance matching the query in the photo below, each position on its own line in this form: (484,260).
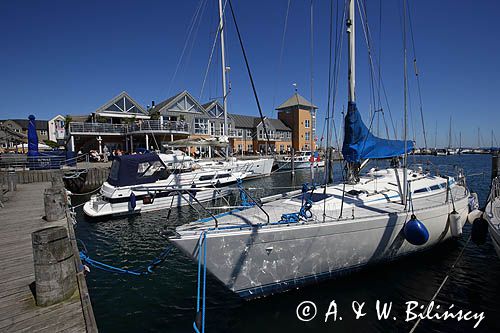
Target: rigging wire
(280,60)
(417,78)
(250,75)
(313,111)
(328,164)
(374,63)
(191,26)
(212,51)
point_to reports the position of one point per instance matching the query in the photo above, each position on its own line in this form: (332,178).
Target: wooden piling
(55,274)
(55,203)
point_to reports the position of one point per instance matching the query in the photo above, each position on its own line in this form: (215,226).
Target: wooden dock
(22,215)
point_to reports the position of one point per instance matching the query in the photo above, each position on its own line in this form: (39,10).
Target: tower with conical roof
(298,114)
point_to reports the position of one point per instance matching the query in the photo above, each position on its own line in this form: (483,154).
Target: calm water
(166,300)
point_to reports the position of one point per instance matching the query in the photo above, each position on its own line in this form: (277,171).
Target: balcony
(155,126)
(274,137)
(142,127)
(76,128)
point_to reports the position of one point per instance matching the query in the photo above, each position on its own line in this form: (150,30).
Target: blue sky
(65,57)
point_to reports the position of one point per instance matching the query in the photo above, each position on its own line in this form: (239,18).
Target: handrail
(256,203)
(143,125)
(199,203)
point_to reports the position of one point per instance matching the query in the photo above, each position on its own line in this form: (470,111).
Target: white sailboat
(492,214)
(315,233)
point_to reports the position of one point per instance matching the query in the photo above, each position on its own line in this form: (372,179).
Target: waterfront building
(299,114)
(56,128)
(124,124)
(15,131)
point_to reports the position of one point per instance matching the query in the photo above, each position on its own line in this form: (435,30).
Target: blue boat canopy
(360,143)
(130,170)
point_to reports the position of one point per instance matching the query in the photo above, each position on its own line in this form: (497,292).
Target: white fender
(455,225)
(476,213)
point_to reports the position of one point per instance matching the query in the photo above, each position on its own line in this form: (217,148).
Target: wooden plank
(18,312)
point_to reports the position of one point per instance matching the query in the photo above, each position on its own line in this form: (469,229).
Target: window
(421,190)
(212,129)
(307,136)
(239,132)
(43,132)
(250,147)
(240,147)
(206,177)
(434,187)
(307,123)
(115,167)
(200,126)
(282,148)
(249,134)
(147,169)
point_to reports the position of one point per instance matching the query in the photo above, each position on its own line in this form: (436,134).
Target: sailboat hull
(260,261)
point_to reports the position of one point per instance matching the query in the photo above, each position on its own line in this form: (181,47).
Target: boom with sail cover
(360,143)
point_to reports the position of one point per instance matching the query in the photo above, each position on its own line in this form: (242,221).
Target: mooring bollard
(57,180)
(55,203)
(12,180)
(55,273)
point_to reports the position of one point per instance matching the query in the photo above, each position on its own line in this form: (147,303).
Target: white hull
(113,201)
(96,207)
(287,165)
(266,258)
(493,217)
(261,167)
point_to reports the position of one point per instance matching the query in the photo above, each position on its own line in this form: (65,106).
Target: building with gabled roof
(300,115)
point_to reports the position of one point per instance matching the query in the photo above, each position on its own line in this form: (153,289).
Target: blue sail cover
(360,143)
(32,137)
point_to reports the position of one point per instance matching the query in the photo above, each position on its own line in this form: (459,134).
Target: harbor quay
(42,282)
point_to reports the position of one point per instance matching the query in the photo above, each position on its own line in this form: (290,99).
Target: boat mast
(449,137)
(405,127)
(352,49)
(223,61)
(353,167)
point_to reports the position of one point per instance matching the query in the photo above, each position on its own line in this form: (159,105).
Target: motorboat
(142,183)
(301,160)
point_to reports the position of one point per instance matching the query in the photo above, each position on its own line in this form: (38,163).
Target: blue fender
(415,232)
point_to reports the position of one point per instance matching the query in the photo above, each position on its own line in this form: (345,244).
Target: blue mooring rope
(200,327)
(113,269)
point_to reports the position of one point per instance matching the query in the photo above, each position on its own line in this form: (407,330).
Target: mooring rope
(113,269)
(442,283)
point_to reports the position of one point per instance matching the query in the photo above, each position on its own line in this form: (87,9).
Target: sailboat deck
(385,200)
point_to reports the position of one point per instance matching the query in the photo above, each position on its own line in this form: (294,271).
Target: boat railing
(193,197)
(256,203)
